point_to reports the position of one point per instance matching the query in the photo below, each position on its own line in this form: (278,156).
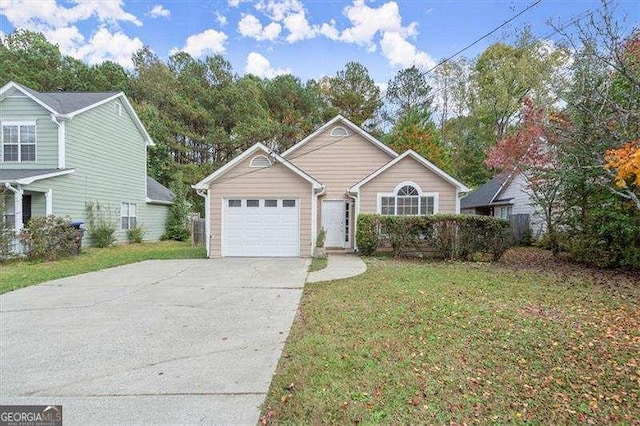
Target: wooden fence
(198,231)
(520,226)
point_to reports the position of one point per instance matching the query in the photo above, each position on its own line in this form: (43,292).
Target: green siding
(38,204)
(108,154)
(24,109)
(153,218)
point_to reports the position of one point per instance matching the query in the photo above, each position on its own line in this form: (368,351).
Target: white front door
(333,216)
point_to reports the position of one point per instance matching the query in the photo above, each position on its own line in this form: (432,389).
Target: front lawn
(19,273)
(529,339)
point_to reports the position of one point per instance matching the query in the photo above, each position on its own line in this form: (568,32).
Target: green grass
(19,273)
(318,264)
(416,342)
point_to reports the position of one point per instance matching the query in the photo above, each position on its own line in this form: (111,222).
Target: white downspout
(62,162)
(314,215)
(207,218)
(17,205)
(356,211)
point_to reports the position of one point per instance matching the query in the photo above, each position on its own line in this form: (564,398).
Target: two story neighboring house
(265,204)
(61,150)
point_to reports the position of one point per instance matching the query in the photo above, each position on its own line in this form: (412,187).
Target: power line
(478,40)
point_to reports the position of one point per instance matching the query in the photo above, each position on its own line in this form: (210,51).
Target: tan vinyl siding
(339,162)
(244,182)
(408,169)
(24,109)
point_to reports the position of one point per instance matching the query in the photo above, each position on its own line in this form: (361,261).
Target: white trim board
(420,159)
(206,182)
(349,124)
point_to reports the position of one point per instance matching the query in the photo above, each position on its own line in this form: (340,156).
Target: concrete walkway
(340,266)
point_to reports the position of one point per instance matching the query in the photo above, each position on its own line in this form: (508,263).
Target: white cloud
(277,10)
(261,67)
(250,26)
(104,45)
(221,19)
(56,22)
(299,28)
(236,3)
(367,22)
(208,41)
(69,39)
(48,14)
(291,14)
(159,11)
(330,31)
(402,53)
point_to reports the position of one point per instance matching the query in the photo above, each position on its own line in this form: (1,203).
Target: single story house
(504,196)
(266,204)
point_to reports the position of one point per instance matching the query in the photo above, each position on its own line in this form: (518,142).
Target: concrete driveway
(159,342)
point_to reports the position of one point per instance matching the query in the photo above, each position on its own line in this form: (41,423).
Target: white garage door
(261,227)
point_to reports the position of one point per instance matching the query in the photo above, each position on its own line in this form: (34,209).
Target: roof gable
(339,119)
(67,105)
(485,194)
(422,161)
(258,147)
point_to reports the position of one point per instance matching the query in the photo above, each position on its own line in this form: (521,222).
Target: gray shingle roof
(158,192)
(483,195)
(68,102)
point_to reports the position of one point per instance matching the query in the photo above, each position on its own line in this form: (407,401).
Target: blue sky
(308,38)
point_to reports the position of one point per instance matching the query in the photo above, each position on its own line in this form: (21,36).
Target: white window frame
(117,108)
(395,196)
(8,218)
(128,216)
(509,212)
(259,166)
(19,124)
(336,129)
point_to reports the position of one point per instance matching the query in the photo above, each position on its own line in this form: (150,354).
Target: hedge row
(444,236)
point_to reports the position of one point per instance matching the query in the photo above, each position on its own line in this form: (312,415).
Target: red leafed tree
(531,151)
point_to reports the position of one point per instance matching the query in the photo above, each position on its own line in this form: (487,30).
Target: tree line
(566,114)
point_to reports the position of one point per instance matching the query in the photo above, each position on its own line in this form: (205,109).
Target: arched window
(408,200)
(260,161)
(339,131)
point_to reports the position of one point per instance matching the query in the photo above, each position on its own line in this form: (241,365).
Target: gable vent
(339,131)
(260,161)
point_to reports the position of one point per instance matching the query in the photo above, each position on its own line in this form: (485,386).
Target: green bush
(6,240)
(322,235)
(136,234)
(367,233)
(50,238)
(610,237)
(444,236)
(177,227)
(101,225)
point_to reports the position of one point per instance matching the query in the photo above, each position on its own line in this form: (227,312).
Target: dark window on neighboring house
(129,215)
(26,209)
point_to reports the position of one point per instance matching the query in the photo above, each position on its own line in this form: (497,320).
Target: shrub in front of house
(443,236)
(136,234)
(50,238)
(7,236)
(101,225)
